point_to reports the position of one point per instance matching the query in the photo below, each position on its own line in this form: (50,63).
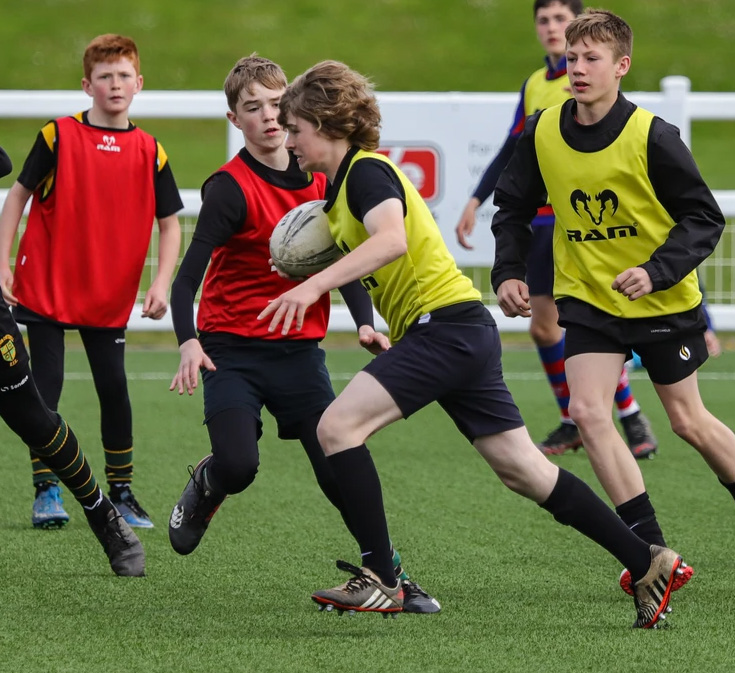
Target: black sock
(359,485)
(639,515)
(573,503)
(729,487)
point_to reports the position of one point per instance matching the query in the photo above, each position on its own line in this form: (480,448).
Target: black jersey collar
(291,178)
(595,137)
(86,122)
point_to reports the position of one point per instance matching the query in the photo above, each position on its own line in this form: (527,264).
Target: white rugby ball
(301,243)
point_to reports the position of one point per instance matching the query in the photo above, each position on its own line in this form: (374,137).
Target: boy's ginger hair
(338,101)
(249,70)
(108,48)
(602,26)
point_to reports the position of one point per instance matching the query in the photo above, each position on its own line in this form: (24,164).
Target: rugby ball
(301,243)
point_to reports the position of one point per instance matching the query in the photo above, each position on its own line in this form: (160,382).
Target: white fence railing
(443,142)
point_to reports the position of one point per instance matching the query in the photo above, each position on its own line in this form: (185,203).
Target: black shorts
(13,353)
(457,365)
(540,263)
(667,361)
(289,378)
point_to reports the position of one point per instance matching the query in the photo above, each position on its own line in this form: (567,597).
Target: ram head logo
(603,198)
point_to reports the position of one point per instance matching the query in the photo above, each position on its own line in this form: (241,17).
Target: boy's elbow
(6,166)
(401,247)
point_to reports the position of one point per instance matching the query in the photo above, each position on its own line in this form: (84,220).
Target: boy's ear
(233,119)
(622,67)
(87,86)
(140,83)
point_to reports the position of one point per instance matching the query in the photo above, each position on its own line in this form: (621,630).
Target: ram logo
(605,197)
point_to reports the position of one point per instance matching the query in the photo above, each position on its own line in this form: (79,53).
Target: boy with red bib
(245,367)
(97,182)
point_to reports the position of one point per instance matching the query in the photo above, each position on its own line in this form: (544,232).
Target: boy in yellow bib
(545,88)
(444,347)
(634,219)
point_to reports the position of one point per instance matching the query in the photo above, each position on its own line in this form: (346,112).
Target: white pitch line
(346,376)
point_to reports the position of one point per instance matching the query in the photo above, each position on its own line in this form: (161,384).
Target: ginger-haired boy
(97,182)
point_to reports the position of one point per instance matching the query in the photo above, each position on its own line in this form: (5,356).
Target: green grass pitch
(519,592)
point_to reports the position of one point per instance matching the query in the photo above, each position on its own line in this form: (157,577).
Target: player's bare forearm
(169,246)
(15,203)
(12,211)
(387,242)
(466,224)
(290,308)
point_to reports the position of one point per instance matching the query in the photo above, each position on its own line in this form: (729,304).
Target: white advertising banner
(443,143)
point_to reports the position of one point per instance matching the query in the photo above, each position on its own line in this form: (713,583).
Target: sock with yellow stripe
(119,466)
(65,457)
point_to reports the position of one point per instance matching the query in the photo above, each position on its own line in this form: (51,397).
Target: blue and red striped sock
(552,359)
(626,403)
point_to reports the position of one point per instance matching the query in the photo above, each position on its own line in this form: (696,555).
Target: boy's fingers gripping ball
(301,243)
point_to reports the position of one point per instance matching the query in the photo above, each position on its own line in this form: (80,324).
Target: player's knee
(687,427)
(326,433)
(515,480)
(332,433)
(235,475)
(586,415)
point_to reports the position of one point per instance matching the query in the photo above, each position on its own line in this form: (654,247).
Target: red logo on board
(419,164)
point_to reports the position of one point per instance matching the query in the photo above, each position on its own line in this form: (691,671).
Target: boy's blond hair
(338,101)
(108,48)
(600,25)
(249,70)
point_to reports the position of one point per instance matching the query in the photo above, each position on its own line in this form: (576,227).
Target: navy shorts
(13,353)
(289,378)
(540,263)
(668,361)
(456,364)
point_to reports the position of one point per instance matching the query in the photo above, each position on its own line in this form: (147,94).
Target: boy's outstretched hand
(372,341)
(291,306)
(193,358)
(633,283)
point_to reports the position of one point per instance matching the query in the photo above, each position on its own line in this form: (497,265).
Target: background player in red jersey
(544,88)
(97,181)
(244,366)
